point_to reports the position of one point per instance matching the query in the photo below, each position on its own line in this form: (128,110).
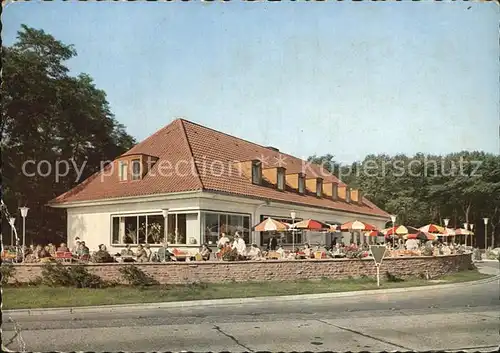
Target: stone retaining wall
(273,270)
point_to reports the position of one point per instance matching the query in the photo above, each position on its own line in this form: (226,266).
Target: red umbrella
(374,233)
(310,224)
(432,228)
(357,225)
(422,236)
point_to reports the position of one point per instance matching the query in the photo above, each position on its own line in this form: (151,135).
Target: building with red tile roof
(204,182)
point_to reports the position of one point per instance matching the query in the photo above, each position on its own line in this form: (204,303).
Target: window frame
(123,170)
(256,172)
(319,187)
(135,176)
(301,185)
(280,179)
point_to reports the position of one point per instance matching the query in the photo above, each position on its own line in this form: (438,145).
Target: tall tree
(49,115)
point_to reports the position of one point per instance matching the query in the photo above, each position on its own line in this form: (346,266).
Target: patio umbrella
(424,236)
(357,225)
(270,225)
(334,227)
(400,230)
(465,232)
(432,228)
(374,233)
(311,224)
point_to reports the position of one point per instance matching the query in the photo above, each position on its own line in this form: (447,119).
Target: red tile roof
(207,156)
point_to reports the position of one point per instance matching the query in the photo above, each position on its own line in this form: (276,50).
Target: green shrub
(7,271)
(78,276)
(136,277)
(392,278)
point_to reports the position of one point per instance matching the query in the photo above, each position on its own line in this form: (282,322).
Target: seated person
(63,248)
(141,254)
(52,249)
(127,251)
(205,252)
(44,253)
(239,244)
(281,251)
(147,248)
(307,250)
(102,255)
(254,253)
(83,250)
(76,248)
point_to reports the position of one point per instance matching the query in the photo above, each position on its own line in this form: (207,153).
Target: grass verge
(24,297)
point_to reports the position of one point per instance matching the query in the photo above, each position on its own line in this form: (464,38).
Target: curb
(235,301)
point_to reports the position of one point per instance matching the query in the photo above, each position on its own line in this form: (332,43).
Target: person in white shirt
(239,244)
(254,253)
(223,240)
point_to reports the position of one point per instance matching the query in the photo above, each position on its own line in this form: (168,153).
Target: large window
(177,230)
(148,229)
(284,238)
(213,224)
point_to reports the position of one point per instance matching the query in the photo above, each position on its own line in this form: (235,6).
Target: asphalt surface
(467,318)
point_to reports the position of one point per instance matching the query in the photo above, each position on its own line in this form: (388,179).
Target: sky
(345,78)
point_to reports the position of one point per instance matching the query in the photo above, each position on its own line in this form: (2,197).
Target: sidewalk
(255,300)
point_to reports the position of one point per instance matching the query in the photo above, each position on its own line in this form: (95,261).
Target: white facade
(93,221)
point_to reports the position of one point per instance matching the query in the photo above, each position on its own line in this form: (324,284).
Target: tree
(49,115)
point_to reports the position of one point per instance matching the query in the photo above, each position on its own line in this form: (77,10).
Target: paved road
(453,319)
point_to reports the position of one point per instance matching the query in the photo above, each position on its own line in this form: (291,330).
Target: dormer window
(136,169)
(302,184)
(319,187)
(256,172)
(281,179)
(122,171)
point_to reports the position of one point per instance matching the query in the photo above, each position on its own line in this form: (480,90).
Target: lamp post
(24,213)
(393,220)
(471,235)
(466,226)
(165,225)
(446,221)
(485,234)
(293,215)
(12,220)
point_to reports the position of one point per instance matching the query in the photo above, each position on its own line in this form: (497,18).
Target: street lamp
(165,224)
(12,220)
(485,234)
(471,235)
(446,221)
(393,220)
(293,215)
(24,213)
(466,226)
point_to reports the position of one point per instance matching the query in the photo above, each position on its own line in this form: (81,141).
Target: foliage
(47,114)
(55,275)
(7,271)
(136,277)
(392,278)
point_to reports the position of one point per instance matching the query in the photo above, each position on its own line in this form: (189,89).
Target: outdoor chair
(160,254)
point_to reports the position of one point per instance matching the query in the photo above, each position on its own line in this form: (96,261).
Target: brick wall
(275,270)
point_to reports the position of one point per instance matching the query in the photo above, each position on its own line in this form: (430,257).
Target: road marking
(364,335)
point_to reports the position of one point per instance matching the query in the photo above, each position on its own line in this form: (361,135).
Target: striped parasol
(400,230)
(374,233)
(357,225)
(432,228)
(270,225)
(311,224)
(421,236)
